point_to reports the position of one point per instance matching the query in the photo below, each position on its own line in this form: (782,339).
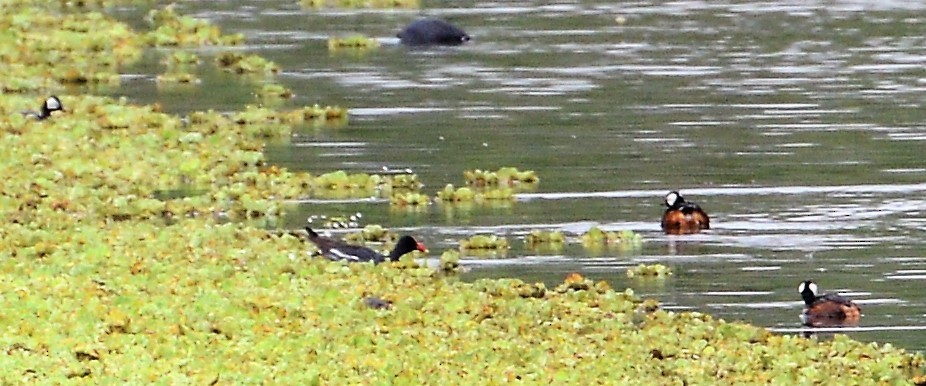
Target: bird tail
(311,233)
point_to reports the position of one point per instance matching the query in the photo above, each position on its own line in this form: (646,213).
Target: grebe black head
(50,105)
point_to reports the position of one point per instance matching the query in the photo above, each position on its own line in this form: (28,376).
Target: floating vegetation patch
(653,270)
(576,282)
(372,233)
(450,261)
(172,29)
(181,58)
(340,184)
(354,42)
(178,78)
(324,113)
(274,91)
(409,199)
(41,49)
(238,63)
(466,194)
(463,194)
(484,243)
(626,239)
(504,177)
(541,240)
(341,180)
(406,181)
(361,3)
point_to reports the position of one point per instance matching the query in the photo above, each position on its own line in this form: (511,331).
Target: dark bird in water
(827,310)
(51,104)
(425,32)
(339,250)
(682,217)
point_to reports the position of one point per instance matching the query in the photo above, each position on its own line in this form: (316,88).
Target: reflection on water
(796,124)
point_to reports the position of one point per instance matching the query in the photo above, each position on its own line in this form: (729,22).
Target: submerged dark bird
(682,217)
(424,32)
(51,104)
(827,310)
(339,250)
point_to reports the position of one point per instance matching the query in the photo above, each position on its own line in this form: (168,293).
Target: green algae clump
(372,233)
(239,63)
(491,196)
(625,239)
(654,270)
(485,243)
(177,78)
(171,29)
(353,42)
(505,176)
(412,199)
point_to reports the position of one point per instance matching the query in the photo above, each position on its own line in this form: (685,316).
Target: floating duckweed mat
(653,270)
(107,279)
(354,42)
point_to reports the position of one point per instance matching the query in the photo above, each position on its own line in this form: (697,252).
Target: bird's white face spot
(52,104)
(671,198)
(803,286)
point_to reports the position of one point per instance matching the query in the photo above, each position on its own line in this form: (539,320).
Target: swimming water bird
(339,250)
(51,104)
(682,217)
(425,32)
(826,310)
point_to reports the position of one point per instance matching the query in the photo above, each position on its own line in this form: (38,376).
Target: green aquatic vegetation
(540,237)
(239,63)
(178,78)
(449,262)
(503,177)
(484,242)
(42,49)
(353,42)
(626,239)
(575,282)
(549,241)
(273,90)
(340,184)
(413,199)
(372,233)
(172,29)
(450,194)
(498,197)
(653,270)
(99,134)
(319,117)
(327,113)
(407,182)
(361,3)
(499,194)
(181,58)
(340,180)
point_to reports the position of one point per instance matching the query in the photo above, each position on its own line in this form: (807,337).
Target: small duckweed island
(106,278)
